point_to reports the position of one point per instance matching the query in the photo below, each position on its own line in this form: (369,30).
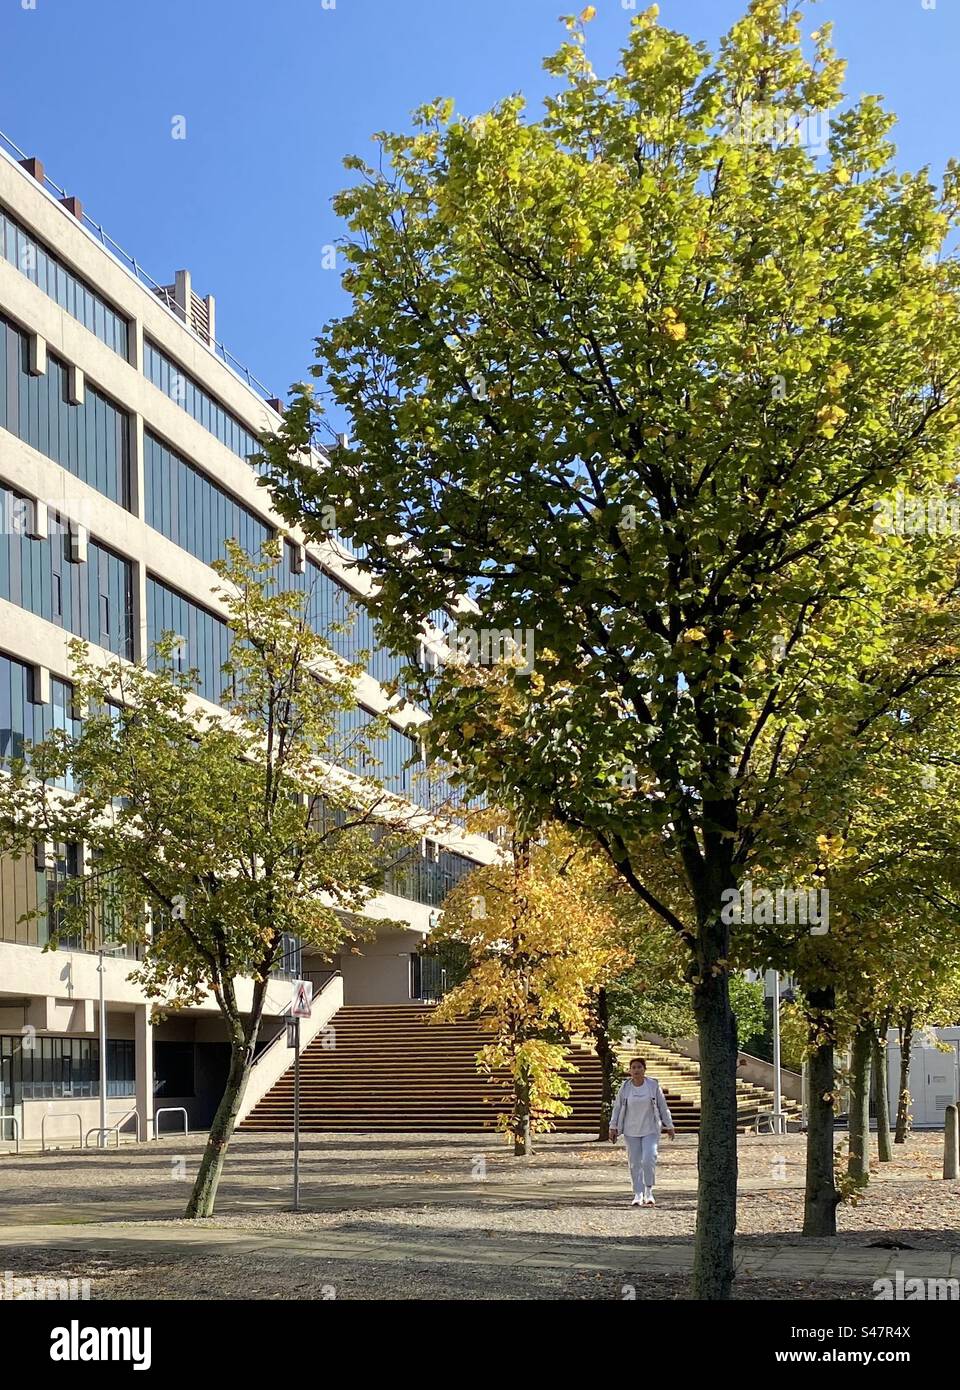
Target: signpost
(299,1008)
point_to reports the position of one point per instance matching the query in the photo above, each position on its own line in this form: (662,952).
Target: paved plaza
(455,1216)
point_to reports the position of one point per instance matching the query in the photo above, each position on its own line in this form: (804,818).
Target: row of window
(427,878)
(334,611)
(23,719)
(47,271)
(35,1068)
(187,507)
(92,598)
(203,640)
(174,382)
(33,895)
(91,440)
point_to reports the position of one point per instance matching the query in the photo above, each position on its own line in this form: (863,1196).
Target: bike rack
(59,1115)
(171,1110)
(11,1120)
(132,1114)
(97,1130)
(777,1120)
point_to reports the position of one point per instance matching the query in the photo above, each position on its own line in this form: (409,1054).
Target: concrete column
(141,639)
(75,385)
(38,354)
(181,294)
(143,1048)
(137,485)
(37,525)
(135,344)
(40,686)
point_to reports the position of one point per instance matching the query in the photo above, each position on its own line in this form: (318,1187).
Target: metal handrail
(59,1115)
(286,1008)
(12,1120)
(170,1110)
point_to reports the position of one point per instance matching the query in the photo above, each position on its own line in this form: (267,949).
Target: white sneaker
(648,1200)
(637,1202)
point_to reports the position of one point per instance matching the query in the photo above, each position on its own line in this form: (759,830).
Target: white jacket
(661,1111)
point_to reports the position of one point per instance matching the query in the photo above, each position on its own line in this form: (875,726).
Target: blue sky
(275,92)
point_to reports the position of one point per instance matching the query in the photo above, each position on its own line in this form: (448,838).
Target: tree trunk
(858,1162)
(204,1193)
(717,1148)
(520,1120)
(607,1056)
(821,1197)
(903,1093)
(881,1094)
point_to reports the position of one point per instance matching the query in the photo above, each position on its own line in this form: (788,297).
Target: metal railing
(132,1114)
(329,977)
(133,267)
(10,1120)
(59,1115)
(170,1110)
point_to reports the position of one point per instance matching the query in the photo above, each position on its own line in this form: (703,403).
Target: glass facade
(204,639)
(370,754)
(40,265)
(174,382)
(190,509)
(57,1068)
(92,598)
(21,719)
(330,605)
(427,873)
(91,441)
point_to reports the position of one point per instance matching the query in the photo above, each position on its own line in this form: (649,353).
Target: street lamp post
(777,1079)
(103,1055)
(102,950)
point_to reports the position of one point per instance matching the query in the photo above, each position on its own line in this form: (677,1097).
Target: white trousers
(642,1152)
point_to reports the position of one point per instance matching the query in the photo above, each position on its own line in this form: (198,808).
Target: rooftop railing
(133,267)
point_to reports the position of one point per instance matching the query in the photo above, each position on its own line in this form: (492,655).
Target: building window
(34,260)
(203,640)
(187,507)
(91,441)
(174,1070)
(59,1068)
(174,382)
(40,576)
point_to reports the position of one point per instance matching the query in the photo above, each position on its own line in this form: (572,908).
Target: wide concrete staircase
(393,1070)
(680,1075)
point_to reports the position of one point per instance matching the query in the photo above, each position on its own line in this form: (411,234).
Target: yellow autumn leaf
(588,14)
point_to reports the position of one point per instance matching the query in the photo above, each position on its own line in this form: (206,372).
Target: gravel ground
(442,1189)
(116,1277)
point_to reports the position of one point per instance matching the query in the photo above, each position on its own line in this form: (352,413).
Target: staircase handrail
(333,975)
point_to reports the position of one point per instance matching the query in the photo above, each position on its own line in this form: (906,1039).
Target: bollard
(951,1142)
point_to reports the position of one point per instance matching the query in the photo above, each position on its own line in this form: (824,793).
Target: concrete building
(125,433)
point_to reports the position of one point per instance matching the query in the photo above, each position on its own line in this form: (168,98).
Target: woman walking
(639,1112)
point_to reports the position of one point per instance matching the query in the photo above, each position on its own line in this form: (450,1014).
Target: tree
(540,933)
(632,376)
(225,830)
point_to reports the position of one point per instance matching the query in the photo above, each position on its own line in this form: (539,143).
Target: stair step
(394,1069)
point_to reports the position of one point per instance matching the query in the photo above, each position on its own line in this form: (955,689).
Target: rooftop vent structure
(196,313)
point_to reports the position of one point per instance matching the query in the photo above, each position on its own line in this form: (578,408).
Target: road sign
(302,997)
(293,1032)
